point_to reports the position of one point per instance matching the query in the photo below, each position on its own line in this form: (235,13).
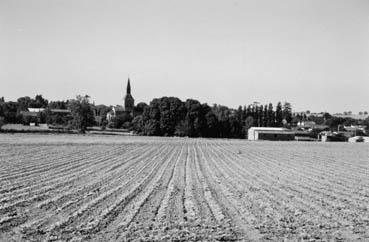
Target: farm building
(266,133)
(328,136)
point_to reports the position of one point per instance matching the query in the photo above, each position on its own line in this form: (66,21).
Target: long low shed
(266,133)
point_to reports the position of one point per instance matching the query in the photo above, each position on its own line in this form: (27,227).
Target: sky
(311,53)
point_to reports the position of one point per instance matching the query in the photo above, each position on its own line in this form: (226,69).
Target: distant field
(103,188)
(20,127)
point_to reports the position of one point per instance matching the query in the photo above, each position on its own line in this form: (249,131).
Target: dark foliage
(82,113)
(169,116)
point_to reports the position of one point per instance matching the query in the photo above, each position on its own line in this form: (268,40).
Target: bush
(360,139)
(1,121)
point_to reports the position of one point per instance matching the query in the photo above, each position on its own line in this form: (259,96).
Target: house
(355,129)
(117,110)
(266,133)
(306,124)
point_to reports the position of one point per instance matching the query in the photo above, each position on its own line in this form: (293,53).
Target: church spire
(129,102)
(128,87)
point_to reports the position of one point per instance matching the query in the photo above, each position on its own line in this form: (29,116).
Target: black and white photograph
(184,120)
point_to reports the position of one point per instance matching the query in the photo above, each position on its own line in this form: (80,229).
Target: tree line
(165,116)
(169,116)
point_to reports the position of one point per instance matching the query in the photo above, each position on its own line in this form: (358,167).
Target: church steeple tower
(129,102)
(128,87)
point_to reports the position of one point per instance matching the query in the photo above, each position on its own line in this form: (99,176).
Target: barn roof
(271,130)
(268,128)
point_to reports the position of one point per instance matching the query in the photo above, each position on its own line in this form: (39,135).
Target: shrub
(360,139)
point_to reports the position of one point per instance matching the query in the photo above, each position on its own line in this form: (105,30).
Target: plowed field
(115,188)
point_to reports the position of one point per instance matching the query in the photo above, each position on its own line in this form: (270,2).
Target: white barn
(267,133)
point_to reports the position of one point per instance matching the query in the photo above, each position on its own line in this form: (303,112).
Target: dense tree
(194,119)
(249,122)
(138,124)
(10,112)
(82,113)
(223,116)
(58,105)
(166,116)
(121,121)
(152,128)
(151,118)
(287,112)
(38,102)
(139,108)
(278,115)
(265,116)
(211,124)
(270,116)
(327,116)
(23,103)
(172,111)
(317,119)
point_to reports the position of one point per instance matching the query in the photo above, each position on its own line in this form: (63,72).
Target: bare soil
(120,188)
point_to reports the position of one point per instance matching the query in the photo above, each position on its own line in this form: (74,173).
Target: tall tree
(270,116)
(9,110)
(58,104)
(249,122)
(139,108)
(83,115)
(39,102)
(195,119)
(23,103)
(265,116)
(287,112)
(279,115)
(137,124)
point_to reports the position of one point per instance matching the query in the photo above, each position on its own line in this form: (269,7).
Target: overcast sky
(312,53)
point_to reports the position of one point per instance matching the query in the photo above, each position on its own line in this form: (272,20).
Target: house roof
(268,129)
(37,110)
